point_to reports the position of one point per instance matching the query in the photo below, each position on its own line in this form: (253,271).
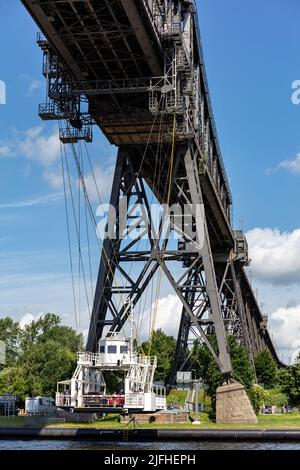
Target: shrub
(258,396)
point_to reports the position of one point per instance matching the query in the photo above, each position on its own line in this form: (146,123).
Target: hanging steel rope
(88,209)
(86,196)
(169,188)
(77,230)
(69,237)
(137,175)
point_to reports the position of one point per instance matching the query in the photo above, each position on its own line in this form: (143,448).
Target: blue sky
(252,57)
(33,242)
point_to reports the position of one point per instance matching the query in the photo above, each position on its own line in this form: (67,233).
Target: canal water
(92,445)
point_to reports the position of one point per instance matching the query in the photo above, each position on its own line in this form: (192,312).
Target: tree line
(37,356)
(44,352)
(265,382)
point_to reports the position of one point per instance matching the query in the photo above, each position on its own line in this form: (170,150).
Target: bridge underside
(110,47)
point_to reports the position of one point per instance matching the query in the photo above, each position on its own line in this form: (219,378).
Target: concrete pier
(234,405)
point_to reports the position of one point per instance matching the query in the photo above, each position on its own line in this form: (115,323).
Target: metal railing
(170,29)
(94,359)
(41,39)
(160,403)
(86,358)
(69,135)
(103,87)
(159,390)
(104,401)
(62,399)
(134,400)
(49,111)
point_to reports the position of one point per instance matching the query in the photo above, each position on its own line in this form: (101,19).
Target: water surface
(92,445)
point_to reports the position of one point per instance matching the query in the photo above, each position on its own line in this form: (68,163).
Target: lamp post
(196,384)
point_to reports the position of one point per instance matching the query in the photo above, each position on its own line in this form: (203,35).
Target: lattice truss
(151,252)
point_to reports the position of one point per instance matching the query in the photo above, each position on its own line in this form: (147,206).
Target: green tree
(13,380)
(48,353)
(163,347)
(242,370)
(45,364)
(10,334)
(49,327)
(41,354)
(266,368)
(289,382)
(259,396)
(207,368)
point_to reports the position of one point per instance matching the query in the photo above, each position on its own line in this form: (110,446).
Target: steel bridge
(135,68)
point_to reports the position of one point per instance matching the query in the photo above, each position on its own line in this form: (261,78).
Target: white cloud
(54,178)
(167,317)
(293,166)
(275,267)
(32,84)
(285,324)
(5,151)
(34,145)
(102,176)
(275,255)
(29,318)
(35,201)
(169,314)
(44,148)
(103,179)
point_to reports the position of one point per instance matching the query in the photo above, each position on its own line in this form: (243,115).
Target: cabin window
(123,349)
(112,349)
(102,349)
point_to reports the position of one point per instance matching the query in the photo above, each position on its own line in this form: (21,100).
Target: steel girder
(233,314)
(196,287)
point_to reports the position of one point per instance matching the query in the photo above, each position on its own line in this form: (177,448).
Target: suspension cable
(157,154)
(88,243)
(77,232)
(137,176)
(69,237)
(89,209)
(170,180)
(94,220)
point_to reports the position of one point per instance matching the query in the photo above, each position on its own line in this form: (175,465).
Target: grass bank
(291,421)
(288,421)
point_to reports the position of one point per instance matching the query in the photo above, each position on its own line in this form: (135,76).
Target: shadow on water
(91,445)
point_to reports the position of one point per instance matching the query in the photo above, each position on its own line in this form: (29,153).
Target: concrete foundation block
(161,417)
(77,417)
